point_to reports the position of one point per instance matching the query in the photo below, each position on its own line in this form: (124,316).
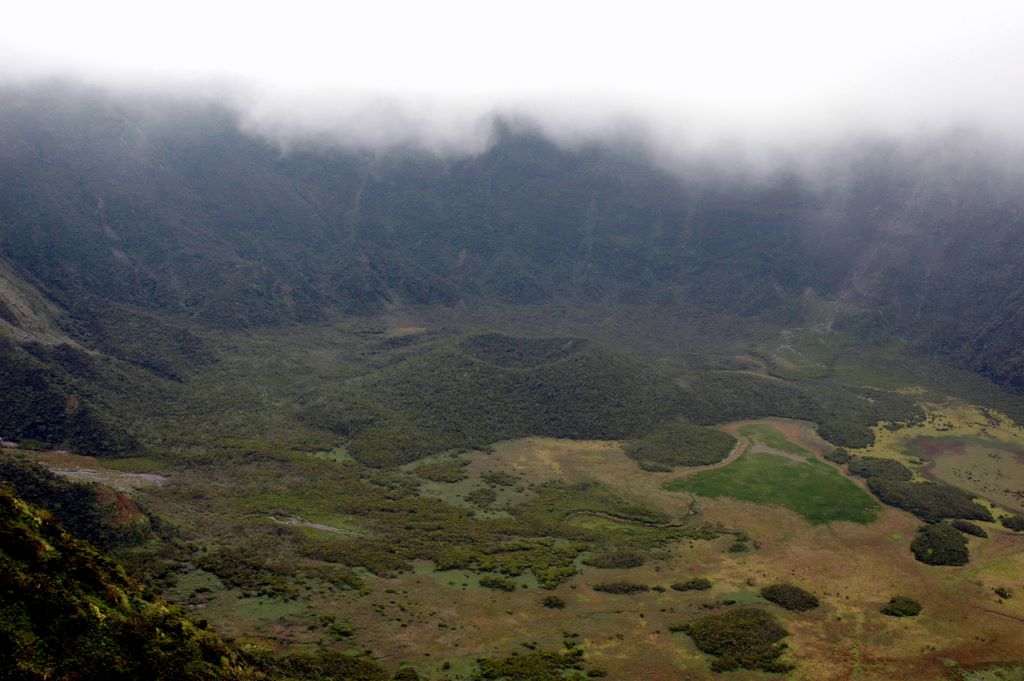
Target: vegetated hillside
(102,516)
(493,387)
(41,400)
(166,206)
(844,415)
(67,611)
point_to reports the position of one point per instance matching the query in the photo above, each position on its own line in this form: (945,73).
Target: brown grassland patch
(425,617)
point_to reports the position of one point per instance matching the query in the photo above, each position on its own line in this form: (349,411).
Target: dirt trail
(123,482)
(299,522)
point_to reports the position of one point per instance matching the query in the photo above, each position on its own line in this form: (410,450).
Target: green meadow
(813,489)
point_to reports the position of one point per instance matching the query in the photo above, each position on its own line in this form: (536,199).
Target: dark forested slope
(115,207)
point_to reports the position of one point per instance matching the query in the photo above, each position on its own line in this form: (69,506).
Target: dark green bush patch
(901,606)
(553,602)
(1003,592)
(873,467)
(929,501)
(940,544)
(967,527)
(790,597)
(482,496)
(680,443)
(838,455)
(535,666)
(444,470)
(499,478)
(695,584)
(745,638)
(497,583)
(623,588)
(615,559)
(1014,522)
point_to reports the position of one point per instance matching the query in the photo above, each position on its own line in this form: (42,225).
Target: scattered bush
(498,478)
(790,597)
(482,496)
(695,584)
(746,638)
(901,606)
(940,544)
(1003,592)
(553,602)
(625,588)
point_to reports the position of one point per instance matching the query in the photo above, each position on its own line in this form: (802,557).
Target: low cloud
(756,79)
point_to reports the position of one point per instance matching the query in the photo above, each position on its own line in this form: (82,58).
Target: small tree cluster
(790,597)
(901,606)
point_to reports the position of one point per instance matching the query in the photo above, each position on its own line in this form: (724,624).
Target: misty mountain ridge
(116,208)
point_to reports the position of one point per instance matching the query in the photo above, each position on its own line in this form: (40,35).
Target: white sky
(433,67)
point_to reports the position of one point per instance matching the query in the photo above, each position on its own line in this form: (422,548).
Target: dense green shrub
(967,527)
(244,569)
(873,467)
(680,443)
(695,584)
(929,501)
(901,606)
(482,496)
(499,478)
(535,666)
(553,602)
(445,470)
(519,353)
(838,455)
(845,416)
(1014,522)
(447,398)
(324,666)
(744,638)
(1003,592)
(395,442)
(497,583)
(615,559)
(790,597)
(625,588)
(38,401)
(940,544)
